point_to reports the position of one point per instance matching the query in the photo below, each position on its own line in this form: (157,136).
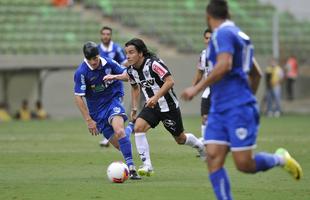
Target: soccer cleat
(290,164)
(104,143)
(133,175)
(146,170)
(202,154)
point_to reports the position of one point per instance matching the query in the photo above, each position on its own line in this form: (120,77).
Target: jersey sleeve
(79,84)
(120,55)
(131,78)
(117,68)
(223,42)
(160,69)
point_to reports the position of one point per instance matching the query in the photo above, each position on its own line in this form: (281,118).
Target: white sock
(143,148)
(192,141)
(203,127)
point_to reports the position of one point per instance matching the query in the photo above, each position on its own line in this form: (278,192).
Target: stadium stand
(179,22)
(32,27)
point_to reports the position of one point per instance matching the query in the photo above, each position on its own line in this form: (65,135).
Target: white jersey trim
(109,49)
(79,94)
(216,142)
(243,148)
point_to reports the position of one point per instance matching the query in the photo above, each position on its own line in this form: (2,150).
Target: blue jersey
(98,93)
(114,51)
(233,89)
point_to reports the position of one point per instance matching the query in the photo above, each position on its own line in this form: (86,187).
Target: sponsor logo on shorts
(169,123)
(241,133)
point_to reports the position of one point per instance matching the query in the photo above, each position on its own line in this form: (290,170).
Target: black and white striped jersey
(204,66)
(150,78)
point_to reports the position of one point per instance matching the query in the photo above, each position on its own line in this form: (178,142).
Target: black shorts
(205,106)
(172,120)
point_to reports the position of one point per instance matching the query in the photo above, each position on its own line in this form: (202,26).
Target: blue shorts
(236,127)
(104,118)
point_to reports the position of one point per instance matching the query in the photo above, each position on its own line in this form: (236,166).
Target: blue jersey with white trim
(89,83)
(233,89)
(114,51)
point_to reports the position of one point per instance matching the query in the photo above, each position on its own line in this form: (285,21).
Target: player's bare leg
(124,145)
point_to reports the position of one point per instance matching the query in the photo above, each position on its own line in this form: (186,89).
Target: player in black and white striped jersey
(203,71)
(156,82)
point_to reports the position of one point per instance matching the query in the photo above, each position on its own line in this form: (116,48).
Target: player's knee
(119,133)
(138,129)
(245,166)
(181,139)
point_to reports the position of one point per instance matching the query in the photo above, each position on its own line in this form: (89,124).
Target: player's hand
(188,94)
(151,103)
(92,127)
(109,77)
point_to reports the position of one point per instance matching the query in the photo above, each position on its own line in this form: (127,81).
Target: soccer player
(104,112)
(233,120)
(203,70)
(110,49)
(156,82)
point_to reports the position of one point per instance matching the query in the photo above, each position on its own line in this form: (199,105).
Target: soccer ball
(118,172)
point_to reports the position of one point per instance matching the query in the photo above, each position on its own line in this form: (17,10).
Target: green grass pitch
(58,159)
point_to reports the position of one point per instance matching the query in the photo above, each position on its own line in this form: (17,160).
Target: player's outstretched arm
(122,77)
(255,76)
(223,66)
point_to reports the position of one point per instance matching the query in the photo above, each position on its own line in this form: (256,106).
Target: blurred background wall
(40,42)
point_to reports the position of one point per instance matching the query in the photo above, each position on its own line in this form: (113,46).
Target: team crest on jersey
(116,109)
(241,133)
(129,71)
(107,71)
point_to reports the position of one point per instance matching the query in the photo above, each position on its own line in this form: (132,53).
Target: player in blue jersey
(233,120)
(108,48)
(104,112)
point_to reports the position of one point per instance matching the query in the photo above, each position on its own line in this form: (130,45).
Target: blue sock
(265,161)
(125,147)
(129,129)
(220,184)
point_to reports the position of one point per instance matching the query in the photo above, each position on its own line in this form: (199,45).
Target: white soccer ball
(118,172)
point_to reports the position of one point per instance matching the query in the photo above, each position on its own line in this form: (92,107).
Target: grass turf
(60,160)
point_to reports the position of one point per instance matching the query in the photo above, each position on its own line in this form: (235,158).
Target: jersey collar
(103,62)
(110,47)
(225,23)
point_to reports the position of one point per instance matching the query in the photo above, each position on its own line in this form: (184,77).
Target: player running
(234,119)
(156,82)
(203,70)
(108,48)
(104,112)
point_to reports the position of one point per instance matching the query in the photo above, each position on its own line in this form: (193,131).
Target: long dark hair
(141,47)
